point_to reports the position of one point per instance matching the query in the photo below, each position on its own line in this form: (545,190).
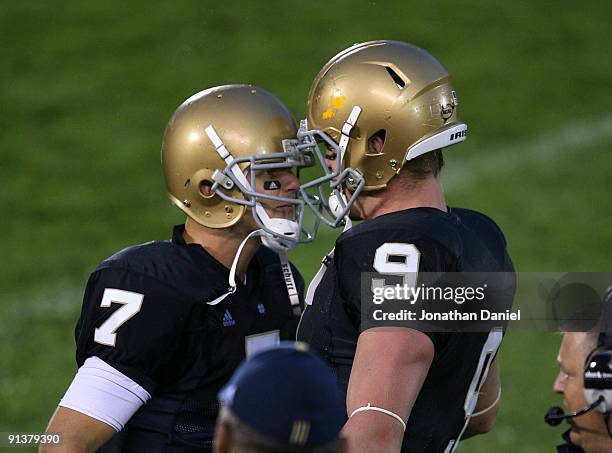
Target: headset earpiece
(598,378)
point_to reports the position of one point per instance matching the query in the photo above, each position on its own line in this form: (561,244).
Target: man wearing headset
(590,429)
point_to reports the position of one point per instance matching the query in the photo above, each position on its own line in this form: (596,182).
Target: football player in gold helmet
(166,323)
(381,112)
(376,95)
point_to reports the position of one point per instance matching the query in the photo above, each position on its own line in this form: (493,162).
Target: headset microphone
(555,415)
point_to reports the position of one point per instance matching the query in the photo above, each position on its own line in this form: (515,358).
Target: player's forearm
(79,432)
(482,424)
(372,433)
(70,444)
(389,369)
(73,441)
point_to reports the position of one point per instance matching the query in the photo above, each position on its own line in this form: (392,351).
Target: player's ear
(376,142)
(223,437)
(206,189)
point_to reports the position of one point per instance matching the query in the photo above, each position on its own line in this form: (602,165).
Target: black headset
(597,380)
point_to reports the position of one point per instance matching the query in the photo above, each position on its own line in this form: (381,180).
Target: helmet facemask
(277,233)
(331,208)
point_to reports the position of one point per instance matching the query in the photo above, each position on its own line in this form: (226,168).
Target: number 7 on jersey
(132,302)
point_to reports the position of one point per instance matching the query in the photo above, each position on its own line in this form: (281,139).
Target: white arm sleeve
(100,391)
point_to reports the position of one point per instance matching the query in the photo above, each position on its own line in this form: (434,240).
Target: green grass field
(87,87)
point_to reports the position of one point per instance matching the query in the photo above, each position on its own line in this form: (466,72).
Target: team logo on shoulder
(227,319)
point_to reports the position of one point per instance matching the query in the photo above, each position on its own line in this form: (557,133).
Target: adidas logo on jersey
(227,319)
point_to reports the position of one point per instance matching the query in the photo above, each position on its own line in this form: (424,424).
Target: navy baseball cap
(287,393)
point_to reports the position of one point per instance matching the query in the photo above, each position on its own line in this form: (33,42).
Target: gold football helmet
(387,88)
(213,146)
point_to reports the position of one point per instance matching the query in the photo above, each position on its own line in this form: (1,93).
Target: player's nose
(290,182)
(331,165)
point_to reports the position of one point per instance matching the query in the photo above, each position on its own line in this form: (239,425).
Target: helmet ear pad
(373,162)
(208,210)
(598,378)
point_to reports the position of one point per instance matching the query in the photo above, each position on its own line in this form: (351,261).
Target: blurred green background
(87,87)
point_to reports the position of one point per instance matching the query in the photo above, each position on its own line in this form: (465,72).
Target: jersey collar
(253,272)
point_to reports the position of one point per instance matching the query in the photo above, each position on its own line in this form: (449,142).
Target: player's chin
(282,212)
(354,215)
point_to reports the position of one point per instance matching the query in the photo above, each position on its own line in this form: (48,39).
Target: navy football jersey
(145,313)
(459,240)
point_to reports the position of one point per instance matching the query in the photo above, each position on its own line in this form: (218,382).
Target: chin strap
(287,231)
(232,274)
(226,156)
(347,127)
(337,201)
(292,292)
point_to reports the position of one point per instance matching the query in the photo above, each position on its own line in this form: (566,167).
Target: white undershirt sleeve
(100,391)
